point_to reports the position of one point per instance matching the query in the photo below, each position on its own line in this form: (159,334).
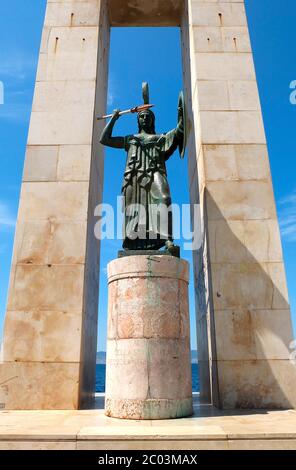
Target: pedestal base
(148,370)
(149,408)
(174,251)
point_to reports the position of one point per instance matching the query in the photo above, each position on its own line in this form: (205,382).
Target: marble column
(244,326)
(50,332)
(148,369)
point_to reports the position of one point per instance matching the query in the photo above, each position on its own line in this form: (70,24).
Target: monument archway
(243,316)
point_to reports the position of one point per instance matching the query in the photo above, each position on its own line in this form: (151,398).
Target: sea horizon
(101,377)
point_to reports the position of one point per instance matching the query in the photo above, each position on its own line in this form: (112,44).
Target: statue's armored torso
(146,155)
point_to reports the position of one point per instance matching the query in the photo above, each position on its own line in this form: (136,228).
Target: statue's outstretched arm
(106,137)
(175,136)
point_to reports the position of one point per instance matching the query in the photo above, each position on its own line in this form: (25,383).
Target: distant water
(101,373)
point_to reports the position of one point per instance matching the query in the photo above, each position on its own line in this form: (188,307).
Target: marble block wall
(243,317)
(51,321)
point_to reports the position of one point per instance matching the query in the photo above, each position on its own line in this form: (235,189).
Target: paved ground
(209,428)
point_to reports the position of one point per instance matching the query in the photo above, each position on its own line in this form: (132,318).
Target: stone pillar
(51,321)
(148,372)
(243,316)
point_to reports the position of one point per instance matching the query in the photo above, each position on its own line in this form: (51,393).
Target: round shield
(182,112)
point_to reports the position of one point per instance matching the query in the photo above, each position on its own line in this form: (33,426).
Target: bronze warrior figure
(145,188)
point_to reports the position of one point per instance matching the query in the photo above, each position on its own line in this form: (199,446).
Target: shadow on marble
(201,410)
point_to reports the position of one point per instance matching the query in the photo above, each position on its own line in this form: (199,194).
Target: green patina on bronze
(145,184)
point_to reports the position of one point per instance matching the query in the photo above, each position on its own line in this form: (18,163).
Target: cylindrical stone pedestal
(148,370)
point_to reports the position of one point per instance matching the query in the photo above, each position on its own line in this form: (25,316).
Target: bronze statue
(145,188)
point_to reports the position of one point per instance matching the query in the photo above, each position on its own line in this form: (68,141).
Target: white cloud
(18,112)
(3,250)
(110,98)
(17,71)
(287,217)
(16,65)
(112,94)
(7,219)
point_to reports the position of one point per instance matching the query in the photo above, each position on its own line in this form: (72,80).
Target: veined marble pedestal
(148,372)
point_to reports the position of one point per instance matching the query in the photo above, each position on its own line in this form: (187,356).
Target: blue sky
(273,35)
